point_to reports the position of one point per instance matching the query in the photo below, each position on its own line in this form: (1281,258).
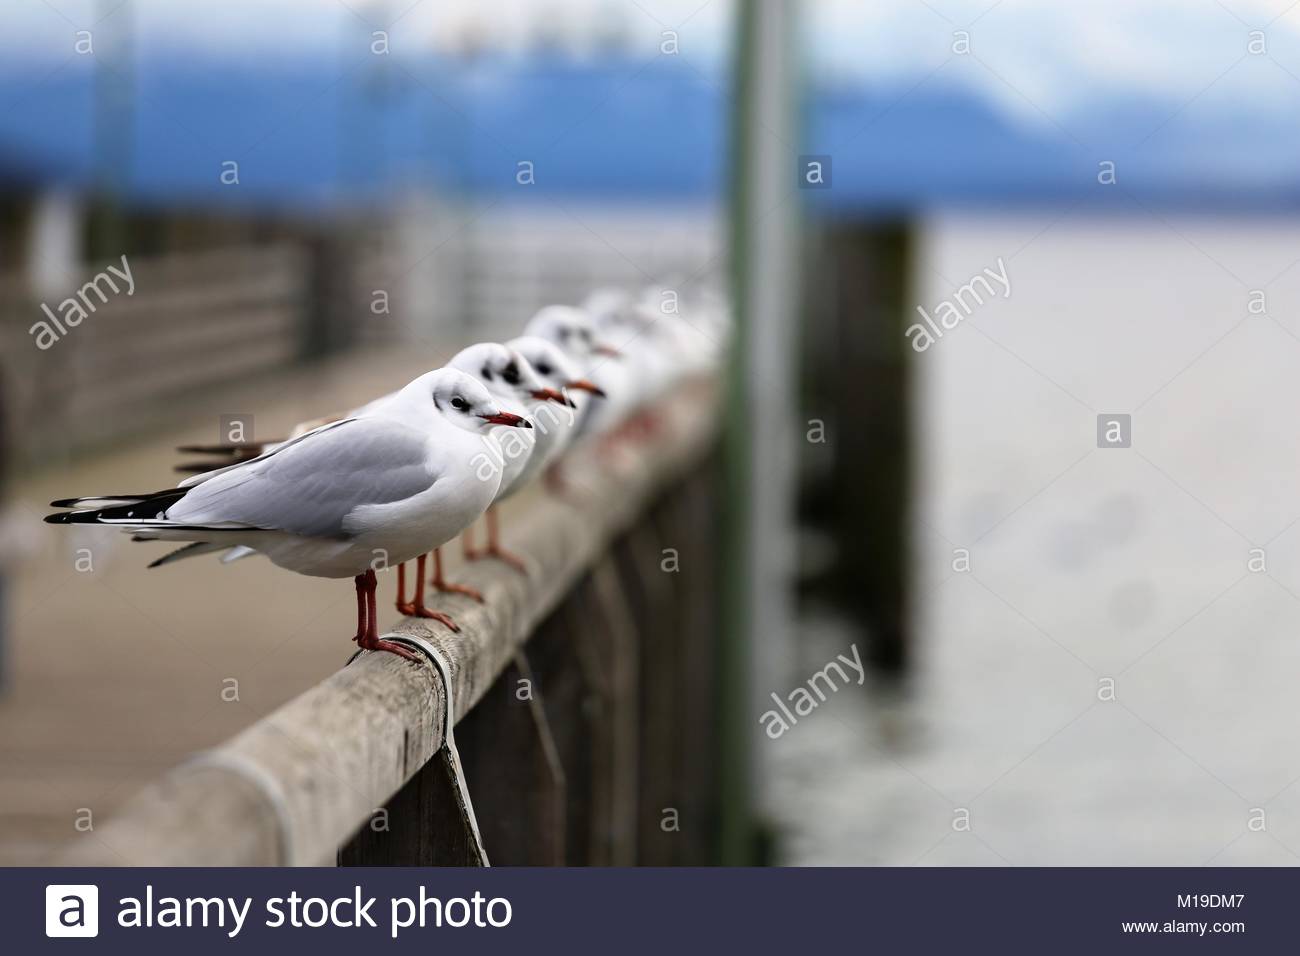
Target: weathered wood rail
(583,698)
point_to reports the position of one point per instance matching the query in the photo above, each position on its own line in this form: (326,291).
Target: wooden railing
(582,698)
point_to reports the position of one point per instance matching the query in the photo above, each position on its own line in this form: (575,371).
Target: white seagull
(514,384)
(554,430)
(339,500)
(574,331)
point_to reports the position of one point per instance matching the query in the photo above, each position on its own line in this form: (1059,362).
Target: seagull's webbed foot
(367,636)
(507,557)
(419,610)
(494,549)
(439,583)
(369,643)
(447,587)
(416,608)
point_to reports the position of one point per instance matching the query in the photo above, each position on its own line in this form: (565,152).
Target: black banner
(652,911)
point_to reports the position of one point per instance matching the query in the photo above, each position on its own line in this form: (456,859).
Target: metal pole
(760,433)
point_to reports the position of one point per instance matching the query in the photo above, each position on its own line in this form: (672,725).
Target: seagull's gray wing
(311,486)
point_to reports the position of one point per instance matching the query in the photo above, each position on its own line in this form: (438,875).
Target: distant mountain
(312,133)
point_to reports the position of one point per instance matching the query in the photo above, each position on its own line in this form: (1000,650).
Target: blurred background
(1016,300)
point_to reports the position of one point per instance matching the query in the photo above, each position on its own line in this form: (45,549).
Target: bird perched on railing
(574,331)
(511,379)
(556,369)
(340,500)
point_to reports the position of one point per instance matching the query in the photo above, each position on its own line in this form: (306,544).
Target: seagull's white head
(461,400)
(552,365)
(504,372)
(572,329)
(606,304)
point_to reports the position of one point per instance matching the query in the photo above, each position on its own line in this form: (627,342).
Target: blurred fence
(194,320)
(423,273)
(517,260)
(582,696)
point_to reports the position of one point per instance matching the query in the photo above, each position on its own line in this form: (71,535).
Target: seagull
(511,380)
(659,345)
(574,331)
(339,500)
(554,431)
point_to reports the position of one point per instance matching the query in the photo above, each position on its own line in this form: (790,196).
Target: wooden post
(513,770)
(615,635)
(872,466)
(687,518)
(424,824)
(651,595)
(570,702)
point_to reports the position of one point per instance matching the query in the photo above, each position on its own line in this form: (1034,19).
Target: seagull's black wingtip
(62,517)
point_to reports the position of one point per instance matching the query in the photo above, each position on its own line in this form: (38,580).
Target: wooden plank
(616,643)
(319,766)
(514,771)
(649,592)
(424,824)
(689,518)
(568,701)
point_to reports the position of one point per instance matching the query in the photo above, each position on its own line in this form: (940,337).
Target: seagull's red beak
(587,386)
(600,348)
(507,418)
(552,395)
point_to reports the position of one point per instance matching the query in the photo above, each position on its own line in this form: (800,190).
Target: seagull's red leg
(438,583)
(401,588)
(368,638)
(361,608)
(467,548)
(559,482)
(416,608)
(494,549)
(555,480)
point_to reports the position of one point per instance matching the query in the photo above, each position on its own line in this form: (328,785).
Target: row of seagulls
(396,479)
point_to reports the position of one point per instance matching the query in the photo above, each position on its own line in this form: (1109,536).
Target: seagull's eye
(487,373)
(511,374)
(586,336)
(543,369)
(459,404)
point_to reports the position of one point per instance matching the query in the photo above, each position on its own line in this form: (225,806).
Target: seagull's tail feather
(225,455)
(201,467)
(192,550)
(99,501)
(252,449)
(104,509)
